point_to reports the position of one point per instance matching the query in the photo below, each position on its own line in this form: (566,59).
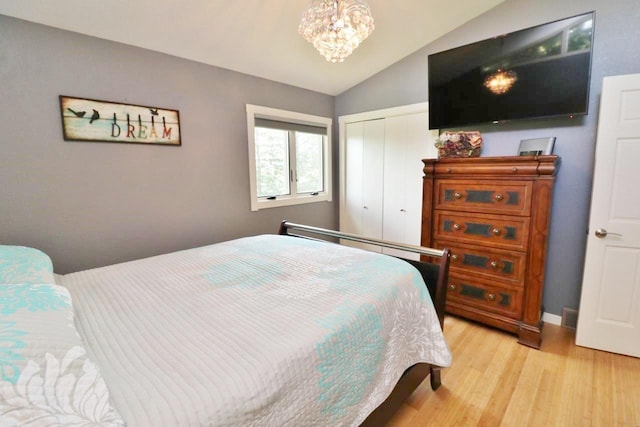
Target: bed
(269,330)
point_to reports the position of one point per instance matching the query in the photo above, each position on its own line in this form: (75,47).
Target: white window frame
(256,111)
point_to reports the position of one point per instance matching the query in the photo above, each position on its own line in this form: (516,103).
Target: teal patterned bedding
(22,265)
(46,378)
(262,331)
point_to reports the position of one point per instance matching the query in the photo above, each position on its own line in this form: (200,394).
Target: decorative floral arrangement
(459,144)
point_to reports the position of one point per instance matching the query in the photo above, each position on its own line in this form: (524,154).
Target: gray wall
(91,204)
(615,52)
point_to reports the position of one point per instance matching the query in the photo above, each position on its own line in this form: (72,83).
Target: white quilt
(265,331)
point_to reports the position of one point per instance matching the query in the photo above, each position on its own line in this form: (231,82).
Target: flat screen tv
(540,71)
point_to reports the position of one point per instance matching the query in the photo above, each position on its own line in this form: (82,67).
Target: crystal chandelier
(336,28)
(501,81)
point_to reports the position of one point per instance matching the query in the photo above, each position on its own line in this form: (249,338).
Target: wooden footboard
(434,268)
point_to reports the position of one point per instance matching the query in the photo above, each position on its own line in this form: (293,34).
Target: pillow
(46,376)
(22,265)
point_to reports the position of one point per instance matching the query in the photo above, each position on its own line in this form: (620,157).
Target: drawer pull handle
(494,264)
(492,297)
(452,287)
(448,170)
(456,227)
(455,258)
(499,197)
(457,195)
(496,231)
(515,169)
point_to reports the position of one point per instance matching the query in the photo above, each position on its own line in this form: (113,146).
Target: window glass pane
(309,162)
(272,162)
(580,36)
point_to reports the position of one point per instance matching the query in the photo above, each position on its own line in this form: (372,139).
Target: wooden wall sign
(93,120)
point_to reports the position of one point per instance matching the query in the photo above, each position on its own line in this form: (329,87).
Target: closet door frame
(422,107)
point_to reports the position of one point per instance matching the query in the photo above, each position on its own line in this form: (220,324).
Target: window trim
(256,111)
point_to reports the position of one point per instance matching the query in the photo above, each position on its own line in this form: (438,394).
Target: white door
(363,180)
(372,179)
(406,144)
(609,316)
(352,218)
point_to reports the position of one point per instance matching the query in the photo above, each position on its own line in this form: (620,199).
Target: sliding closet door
(372,178)
(405,147)
(381,156)
(352,218)
(364,179)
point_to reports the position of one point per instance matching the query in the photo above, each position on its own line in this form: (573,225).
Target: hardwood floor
(494,381)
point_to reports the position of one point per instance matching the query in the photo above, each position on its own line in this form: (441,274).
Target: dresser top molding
(492,166)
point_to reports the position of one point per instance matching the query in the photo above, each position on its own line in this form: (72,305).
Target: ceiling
(256,37)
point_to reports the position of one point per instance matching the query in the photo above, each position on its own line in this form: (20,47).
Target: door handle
(601,233)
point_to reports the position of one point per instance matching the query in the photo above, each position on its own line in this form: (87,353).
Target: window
(289,157)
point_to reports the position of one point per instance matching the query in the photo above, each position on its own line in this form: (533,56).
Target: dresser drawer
(485,295)
(512,166)
(488,263)
(510,198)
(505,232)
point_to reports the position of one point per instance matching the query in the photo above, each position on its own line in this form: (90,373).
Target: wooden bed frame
(434,268)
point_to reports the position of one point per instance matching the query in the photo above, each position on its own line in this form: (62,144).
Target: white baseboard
(554,319)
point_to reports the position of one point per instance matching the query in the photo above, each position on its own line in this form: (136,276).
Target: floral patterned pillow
(21,265)
(46,377)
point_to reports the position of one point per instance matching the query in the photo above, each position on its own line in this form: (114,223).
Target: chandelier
(336,28)
(501,81)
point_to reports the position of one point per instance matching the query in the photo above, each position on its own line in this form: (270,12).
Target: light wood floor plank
(604,383)
(577,396)
(542,400)
(493,413)
(494,381)
(626,380)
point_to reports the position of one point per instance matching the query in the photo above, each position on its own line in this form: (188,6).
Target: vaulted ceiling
(256,37)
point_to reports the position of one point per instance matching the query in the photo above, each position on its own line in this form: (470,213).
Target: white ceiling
(257,37)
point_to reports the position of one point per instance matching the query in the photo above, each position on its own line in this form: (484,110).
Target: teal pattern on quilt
(349,357)
(10,342)
(256,265)
(32,297)
(418,282)
(385,269)
(351,353)
(19,265)
(392,268)
(251,273)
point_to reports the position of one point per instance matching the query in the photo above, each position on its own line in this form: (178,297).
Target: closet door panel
(372,178)
(395,179)
(405,146)
(419,145)
(353,178)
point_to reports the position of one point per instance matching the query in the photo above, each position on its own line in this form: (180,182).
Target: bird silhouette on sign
(94,116)
(77,113)
(154,111)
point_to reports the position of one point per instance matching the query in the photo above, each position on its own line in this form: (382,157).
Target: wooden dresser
(493,213)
